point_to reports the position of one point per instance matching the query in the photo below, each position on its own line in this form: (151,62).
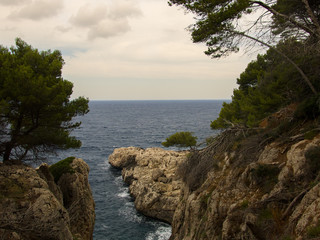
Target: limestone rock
(28,209)
(33,207)
(272,196)
(151,174)
(256,191)
(78,200)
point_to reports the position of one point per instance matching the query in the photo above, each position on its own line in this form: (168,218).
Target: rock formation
(272,193)
(237,188)
(151,174)
(33,206)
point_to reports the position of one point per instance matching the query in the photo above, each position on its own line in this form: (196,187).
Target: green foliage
(222,24)
(35,111)
(181,139)
(12,188)
(61,167)
(313,158)
(311,134)
(244,204)
(289,71)
(309,108)
(264,88)
(313,232)
(266,176)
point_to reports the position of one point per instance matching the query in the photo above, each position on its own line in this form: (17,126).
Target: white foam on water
(118,181)
(162,233)
(104,165)
(124,193)
(129,212)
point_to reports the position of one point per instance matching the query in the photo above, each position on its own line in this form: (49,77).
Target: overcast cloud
(122,49)
(104,21)
(38,9)
(11,2)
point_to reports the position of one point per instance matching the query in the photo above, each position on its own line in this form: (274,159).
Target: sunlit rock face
(151,174)
(249,189)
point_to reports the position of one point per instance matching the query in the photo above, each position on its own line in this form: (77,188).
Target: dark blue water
(113,124)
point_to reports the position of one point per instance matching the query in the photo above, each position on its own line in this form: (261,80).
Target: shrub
(61,167)
(266,176)
(309,108)
(314,231)
(181,139)
(313,157)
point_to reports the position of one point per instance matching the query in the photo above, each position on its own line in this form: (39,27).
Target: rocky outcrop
(78,200)
(237,188)
(33,206)
(272,195)
(151,174)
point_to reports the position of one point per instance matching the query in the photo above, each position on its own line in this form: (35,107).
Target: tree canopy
(221,25)
(36,113)
(268,84)
(226,25)
(181,139)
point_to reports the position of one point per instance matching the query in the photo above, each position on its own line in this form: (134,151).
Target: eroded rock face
(28,209)
(32,205)
(272,192)
(276,196)
(78,200)
(151,174)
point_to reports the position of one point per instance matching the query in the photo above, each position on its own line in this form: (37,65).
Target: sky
(122,49)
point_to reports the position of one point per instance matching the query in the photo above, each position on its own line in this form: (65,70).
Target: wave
(162,233)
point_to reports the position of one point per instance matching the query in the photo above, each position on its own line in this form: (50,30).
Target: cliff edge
(151,174)
(34,204)
(244,185)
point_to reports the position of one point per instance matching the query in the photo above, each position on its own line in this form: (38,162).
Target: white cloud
(11,2)
(38,10)
(105,21)
(109,28)
(88,15)
(124,9)
(123,49)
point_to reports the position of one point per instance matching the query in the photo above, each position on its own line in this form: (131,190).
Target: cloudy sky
(122,49)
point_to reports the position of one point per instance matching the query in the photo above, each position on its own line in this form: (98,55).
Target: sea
(115,124)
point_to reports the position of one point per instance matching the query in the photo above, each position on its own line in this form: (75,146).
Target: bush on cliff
(61,167)
(270,83)
(181,139)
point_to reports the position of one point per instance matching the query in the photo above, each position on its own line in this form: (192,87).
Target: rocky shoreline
(151,174)
(34,206)
(266,192)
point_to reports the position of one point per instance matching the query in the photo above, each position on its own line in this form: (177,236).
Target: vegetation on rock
(181,139)
(61,167)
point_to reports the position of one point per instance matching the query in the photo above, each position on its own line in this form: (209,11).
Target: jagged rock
(28,209)
(45,174)
(151,174)
(267,198)
(254,192)
(78,200)
(32,206)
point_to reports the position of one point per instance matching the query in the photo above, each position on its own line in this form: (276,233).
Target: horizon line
(217,99)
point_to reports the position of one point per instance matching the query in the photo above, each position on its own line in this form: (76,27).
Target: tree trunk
(7,152)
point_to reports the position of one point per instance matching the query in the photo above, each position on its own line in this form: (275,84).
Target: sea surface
(114,124)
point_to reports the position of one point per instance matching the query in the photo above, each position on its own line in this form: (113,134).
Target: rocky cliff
(151,174)
(34,204)
(243,186)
